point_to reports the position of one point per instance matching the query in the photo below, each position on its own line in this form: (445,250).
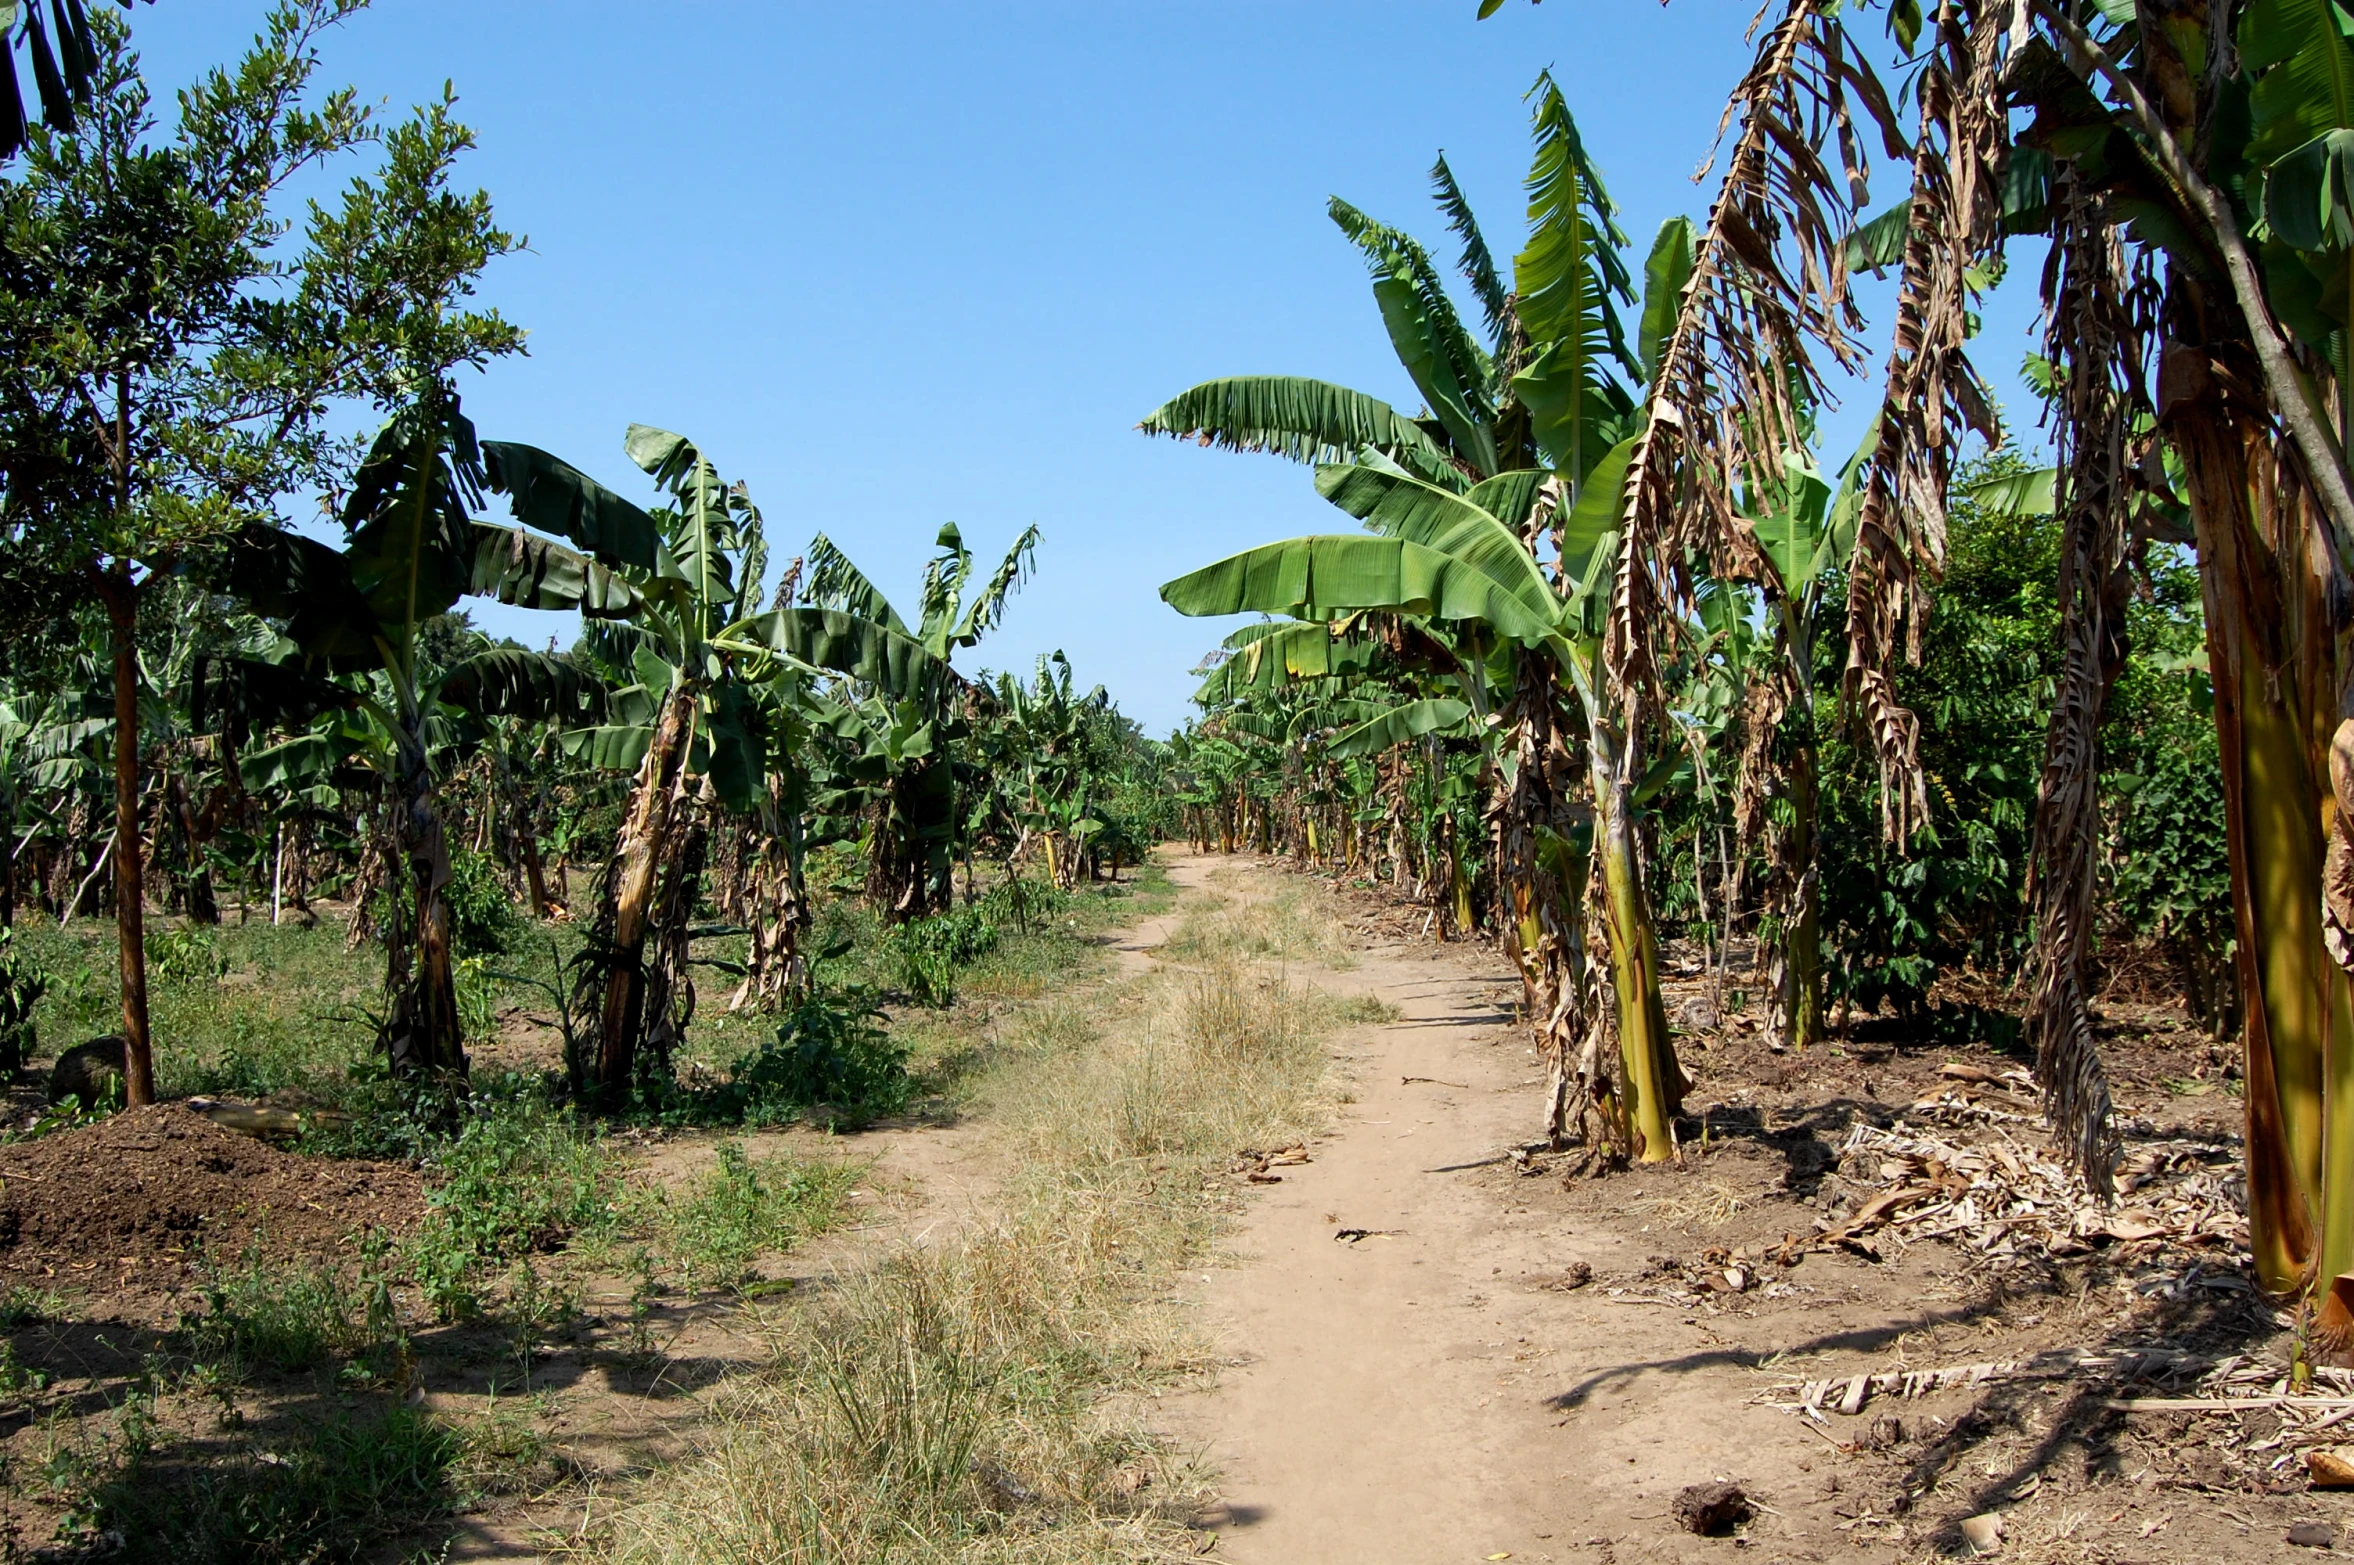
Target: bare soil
(124,1213)
(1437,1343)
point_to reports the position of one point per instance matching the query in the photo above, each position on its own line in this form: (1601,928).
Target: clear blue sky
(895,265)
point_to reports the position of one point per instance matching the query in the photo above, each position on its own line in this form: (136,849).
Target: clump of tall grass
(953,1403)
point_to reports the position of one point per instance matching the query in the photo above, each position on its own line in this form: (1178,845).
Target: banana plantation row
(1610,644)
(1613,645)
(316,721)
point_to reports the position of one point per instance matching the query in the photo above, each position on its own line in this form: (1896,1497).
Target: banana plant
(906,703)
(1046,723)
(691,721)
(413,550)
(1536,430)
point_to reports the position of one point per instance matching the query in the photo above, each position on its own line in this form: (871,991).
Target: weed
(67,1113)
(742,1209)
(478,997)
(331,1490)
(928,951)
(828,1052)
(519,1177)
(502,1450)
(483,918)
(285,1320)
(188,955)
(15,1378)
(21,1306)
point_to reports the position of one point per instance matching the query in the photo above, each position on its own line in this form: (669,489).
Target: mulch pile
(138,1201)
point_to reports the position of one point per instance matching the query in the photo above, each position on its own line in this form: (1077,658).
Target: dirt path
(1431,1391)
(1377,1401)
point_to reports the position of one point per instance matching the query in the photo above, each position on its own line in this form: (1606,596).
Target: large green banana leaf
(843,643)
(550,495)
(412,539)
(1401,724)
(1594,520)
(835,583)
(1324,576)
(304,759)
(1447,367)
(287,576)
(1306,420)
(1478,266)
(516,682)
(1509,497)
(532,572)
(1665,272)
(1569,280)
(2031,491)
(712,524)
(612,749)
(1453,525)
(734,745)
(1793,532)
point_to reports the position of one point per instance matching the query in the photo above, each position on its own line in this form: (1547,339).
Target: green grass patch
(319,1491)
(745,1208)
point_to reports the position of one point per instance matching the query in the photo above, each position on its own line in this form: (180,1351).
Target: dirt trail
(1419,1393)
(1377,1403)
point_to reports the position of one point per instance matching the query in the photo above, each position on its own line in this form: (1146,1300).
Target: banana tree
(687,722)
(1804,526)
(907,704)
(1518,428)
(413,551)
(1447,560)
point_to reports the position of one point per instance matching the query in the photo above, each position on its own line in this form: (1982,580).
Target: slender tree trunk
(423,1038)
(121,596)
(1797,977)
(1654,1084)
(638,854)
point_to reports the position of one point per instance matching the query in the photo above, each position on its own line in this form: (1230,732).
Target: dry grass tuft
(1711,1204)
(959,1403)
(1255,918)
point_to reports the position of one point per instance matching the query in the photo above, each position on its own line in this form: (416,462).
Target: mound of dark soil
(137,1202)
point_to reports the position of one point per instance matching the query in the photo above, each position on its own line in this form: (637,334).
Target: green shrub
(827,1052)
(478,997)
(1019,904)
(483,918)
(927,952)
(288,1319)
(743,1208)
(519,1177)
(189,955)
